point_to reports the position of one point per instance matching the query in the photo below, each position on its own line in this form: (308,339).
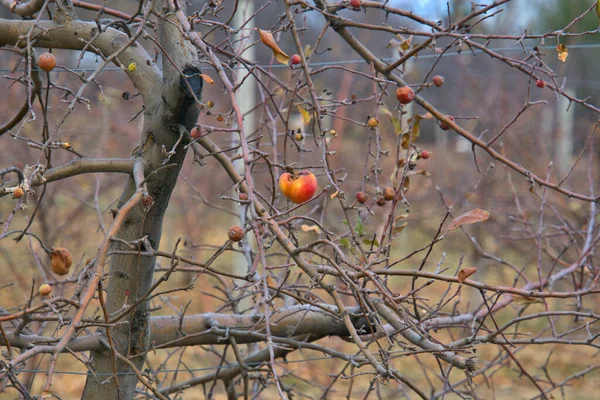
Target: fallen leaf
(267,38)
(563,52)
(465,273)
(471,217)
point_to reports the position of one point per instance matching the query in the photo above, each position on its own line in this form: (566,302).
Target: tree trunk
(130,276)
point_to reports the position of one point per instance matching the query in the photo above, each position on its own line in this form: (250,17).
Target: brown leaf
(399,228)
(465,273)
(471,217)
(267,38)
(61,260)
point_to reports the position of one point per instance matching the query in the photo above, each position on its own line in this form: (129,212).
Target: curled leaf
(563,52)
(334,195)
(471,217)
(306,117)
(267,38)
(464,273)
(207,79)
(308,228)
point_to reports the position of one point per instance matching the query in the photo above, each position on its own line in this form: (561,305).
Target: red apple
(46,61)
(540,83)
(296,59)
(405,94)
(444,125)
(298,187)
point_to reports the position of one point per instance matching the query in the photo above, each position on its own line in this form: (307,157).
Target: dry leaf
(397,229)
(267,38)
(465,273)
(563,52)
(271,282)
(61,260)
(207,79)
(308,228)
(306,117)
(334,195)
(471,217)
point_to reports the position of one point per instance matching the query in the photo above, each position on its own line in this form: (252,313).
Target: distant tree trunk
(132,276)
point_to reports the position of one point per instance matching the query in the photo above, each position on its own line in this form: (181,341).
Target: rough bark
(131,276)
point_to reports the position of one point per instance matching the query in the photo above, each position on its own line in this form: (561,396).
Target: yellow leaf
(334,195)
(598,8)
(397,229)
(306,117)
(563,52)
(393,118)
(207,79)
(405,44)
(267,39)
(308,228)
(307,51)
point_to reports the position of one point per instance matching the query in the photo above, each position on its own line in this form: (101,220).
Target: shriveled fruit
(373,122)
(389,193)
(298,137)
(438,80)
(235,233)
(61,260)
(298,187)
(195,133)
(444,125)
(362,197)
(380,201)
(45,289)
(46,61)
(405,94)
(18,193)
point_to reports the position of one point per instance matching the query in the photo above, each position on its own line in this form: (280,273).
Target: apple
(540,83)
(355,4)
(380,201)
(425,154)
(296,59)
(438,80)
(45,289)
(298,187)
(235,233)
(46,61)
(61,260)
(372,122)
(405,94)
(389,193)
(362,197)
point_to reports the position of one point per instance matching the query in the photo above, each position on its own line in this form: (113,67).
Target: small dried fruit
(389,193)
(355,4)
(540,83)
(405,94)
(362,197)
(243,197)
(444,125)
(298,137)
(61,260)
(18,193)
(210,104)
(296,59)
(333,132)
(438,80)
(373,122)
(45,289)
(235,233)
(220,118)
(195,133)
(380,201)
(46,61)
(425,154)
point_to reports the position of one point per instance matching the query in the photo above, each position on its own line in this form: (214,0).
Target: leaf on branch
(334,195)
(399,228)
(393,118)
(563,52)
(598,8)
(267,38)
(308,228)
(471,217)
(464,273)
(207,79)
(306,117)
